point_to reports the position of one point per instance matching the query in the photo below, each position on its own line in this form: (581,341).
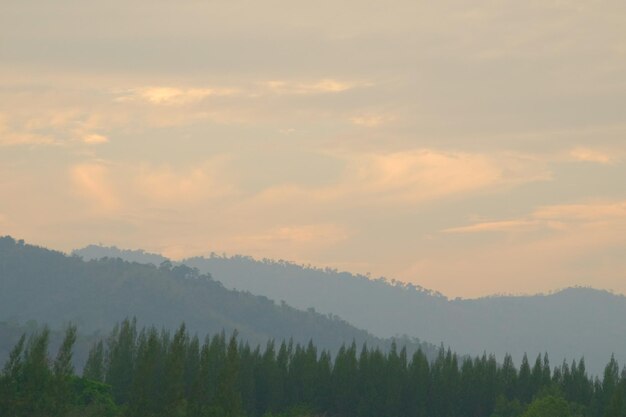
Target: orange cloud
(416,176)
(61,127)
(498,226)
(95,139)
(551,247)
(421,175)
(91,180)
(167,185)
(591,155)
(174,95)
(371,120)
(306,235)
(20,139)
(556,217)
(327,85)
(583,212)
(424,174)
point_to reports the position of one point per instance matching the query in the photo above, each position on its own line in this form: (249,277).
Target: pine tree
(36,378)
(11,397)
(610,381)
(248,361)
(121,360)
(323,393)
(146,377)
(173,389)
(394,377)
(94,367)
(508,378)
(345,381)
(419,385)
(192,367)
(228,397)
(63,371)
(524,381)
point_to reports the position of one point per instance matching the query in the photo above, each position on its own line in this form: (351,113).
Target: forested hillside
(571,323)
(140,372)
(55,289)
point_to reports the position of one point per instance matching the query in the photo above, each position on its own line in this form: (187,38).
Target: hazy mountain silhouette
(54,289)
(567,324)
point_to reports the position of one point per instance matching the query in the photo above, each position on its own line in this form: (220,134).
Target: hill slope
(52,288)
(568,324)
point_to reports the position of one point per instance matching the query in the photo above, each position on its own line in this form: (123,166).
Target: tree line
(155,373)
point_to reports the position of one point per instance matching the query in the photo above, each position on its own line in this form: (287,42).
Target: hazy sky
(471,147)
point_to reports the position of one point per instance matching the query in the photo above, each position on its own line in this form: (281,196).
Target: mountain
(567,324)
(53,288)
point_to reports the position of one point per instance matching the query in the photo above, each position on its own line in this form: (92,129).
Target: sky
(470,147)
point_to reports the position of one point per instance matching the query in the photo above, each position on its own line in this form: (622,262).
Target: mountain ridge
(55,289)
(567,323)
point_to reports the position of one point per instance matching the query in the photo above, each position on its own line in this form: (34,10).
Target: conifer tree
(419,385)
(508,378)
(94,367)
(11,397)
(121,360)
(344,381)
(36,381)
(323,393)
(228,400)
(524,381)
(192,366)
(63,370)
(147,376)
(173,387)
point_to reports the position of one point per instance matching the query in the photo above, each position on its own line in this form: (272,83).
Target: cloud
(423,174)
(165,184)
(327,85)
(429,174)
(497,226)
(95,139)
(10,137)
(416,176)
(371,120)
(582,212)
(51,126)
(91,180)
(26,139)
(591,155)
(315,234)
(174,95)
(555,217)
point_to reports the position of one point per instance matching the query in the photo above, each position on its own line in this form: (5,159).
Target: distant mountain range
(46,286)
(567,324)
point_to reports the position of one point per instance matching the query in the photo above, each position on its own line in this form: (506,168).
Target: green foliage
(31,385)
(94,367)
(152,373)
(505,408)
(92,399)
(549,406)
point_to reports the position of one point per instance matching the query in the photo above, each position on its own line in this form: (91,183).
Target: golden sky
(469,147)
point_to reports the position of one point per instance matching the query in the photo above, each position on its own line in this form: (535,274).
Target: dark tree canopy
(149,372)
